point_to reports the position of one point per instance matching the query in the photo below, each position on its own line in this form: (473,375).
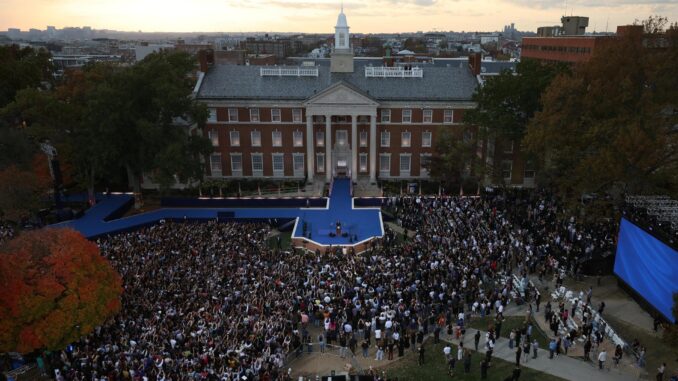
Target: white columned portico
(310,157)
(328,147)
(373,148)
(354,147)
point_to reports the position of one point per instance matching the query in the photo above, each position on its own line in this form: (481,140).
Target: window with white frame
(276,138)
(428,116)
(257,164)
(529,169)
(386,115)
(296,115)
(508,147)
(236,164)
(342,137)
(405,164)
(232,114)
(320,162)
(214,137)
(275,115)
(363,138)
(256,138)
(320,139)
(467,136)
(298,138)
(424,163)
(406,139)
(507,169)
(448,117)
(385,139)
(278,164)
(235,138)
(426,138)
(254,115)
(213,115)
(407,115)
(298,164)
(363,162)
(385,163)
(215,162)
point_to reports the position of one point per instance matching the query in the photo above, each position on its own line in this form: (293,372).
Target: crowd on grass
(213,301)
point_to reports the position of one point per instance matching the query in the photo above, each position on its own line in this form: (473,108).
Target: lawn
(510,322)
(435,368)
(657,350)
(285,241)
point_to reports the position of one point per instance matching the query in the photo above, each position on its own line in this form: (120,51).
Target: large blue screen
(647,265)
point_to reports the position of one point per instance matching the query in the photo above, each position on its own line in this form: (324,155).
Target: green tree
(454,159)
(144,105)
(22,68)
(506,102)
(609,126)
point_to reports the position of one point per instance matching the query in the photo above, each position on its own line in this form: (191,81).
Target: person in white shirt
(447,351)
(602,356)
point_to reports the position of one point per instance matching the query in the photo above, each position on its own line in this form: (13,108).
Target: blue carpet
(362,223)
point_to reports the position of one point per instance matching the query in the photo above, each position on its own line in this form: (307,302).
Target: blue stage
(360,224)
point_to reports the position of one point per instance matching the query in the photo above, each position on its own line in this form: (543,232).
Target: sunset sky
(366,16)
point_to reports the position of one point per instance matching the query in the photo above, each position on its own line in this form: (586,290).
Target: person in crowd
(213,300)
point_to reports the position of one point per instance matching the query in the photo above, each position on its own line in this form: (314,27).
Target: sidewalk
(561,366)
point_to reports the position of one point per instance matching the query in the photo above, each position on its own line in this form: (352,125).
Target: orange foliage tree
(54,288)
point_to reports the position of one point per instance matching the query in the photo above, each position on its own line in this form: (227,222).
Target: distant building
(567,43)
(144,49)
(574,25)
(280,48)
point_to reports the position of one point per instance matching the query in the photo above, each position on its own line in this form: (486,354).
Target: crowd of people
(213,301)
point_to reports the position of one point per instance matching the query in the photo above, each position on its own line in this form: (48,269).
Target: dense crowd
(212,301)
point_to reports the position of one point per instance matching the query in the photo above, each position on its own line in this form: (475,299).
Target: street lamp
(54,170)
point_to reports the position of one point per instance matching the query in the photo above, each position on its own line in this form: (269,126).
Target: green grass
(511,322)
(435,368)
(657,351)
(285,241)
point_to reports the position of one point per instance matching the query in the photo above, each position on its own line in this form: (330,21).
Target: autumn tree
(22,192)
(610,125)
(56,288)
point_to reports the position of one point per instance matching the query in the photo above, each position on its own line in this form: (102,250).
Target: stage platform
(361,224)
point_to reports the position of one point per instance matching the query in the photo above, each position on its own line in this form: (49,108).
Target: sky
(366,16)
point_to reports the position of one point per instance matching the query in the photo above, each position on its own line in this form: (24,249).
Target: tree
(610,125)
(21,193)
(21,68)
(454,157)
(56,288)
(139,110)
(508,101)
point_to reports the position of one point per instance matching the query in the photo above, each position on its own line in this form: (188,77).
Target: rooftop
(437,83)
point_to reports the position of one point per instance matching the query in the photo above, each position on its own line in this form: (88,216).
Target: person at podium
(338,229)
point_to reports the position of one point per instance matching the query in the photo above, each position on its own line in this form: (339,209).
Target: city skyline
(376,16)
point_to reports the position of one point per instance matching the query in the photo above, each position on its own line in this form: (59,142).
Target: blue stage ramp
(360,224)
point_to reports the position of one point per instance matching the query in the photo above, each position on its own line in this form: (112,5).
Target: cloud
(549,4)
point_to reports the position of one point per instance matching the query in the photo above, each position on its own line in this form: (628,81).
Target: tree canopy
(611,125)
(56,288)
(505,103)
(107,119)
(454,158)
(22,68)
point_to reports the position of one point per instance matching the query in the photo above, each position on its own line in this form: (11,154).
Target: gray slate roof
(244,82)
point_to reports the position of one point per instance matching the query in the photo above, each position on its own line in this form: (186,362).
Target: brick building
(326,118)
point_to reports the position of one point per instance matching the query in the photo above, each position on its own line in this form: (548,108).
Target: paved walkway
(561,366)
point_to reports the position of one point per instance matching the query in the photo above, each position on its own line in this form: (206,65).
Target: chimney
(474,62)
(205,59)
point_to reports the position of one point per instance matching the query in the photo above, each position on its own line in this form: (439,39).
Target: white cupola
(341,36)
(342,54)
